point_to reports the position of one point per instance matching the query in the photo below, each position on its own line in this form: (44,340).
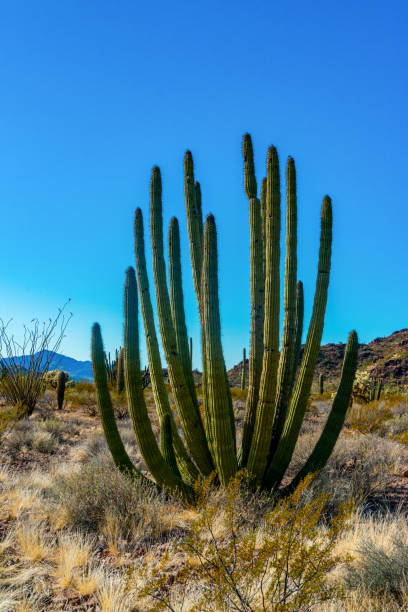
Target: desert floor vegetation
(78,535)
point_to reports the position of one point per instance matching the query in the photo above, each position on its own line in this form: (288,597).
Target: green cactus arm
(186,466)
(257,324)
(177,304)
(113,439)
(287,353)
(120,375)
(304,381)
(192,194)
(166,444)
(191,352)
(335,420)
(186,406)
(159,469)
(266,404)
(378,390)
(221,419)
(264,187)
(249,167)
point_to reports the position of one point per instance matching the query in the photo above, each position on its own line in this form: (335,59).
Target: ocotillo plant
(60,389)
(278,387)
(243,369)
(321,384)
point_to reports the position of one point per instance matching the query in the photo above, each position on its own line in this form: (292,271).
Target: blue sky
(95,93)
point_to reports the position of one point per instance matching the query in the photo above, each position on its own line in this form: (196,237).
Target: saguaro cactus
(60,389)
(120,371)
(321,384)
(278,387)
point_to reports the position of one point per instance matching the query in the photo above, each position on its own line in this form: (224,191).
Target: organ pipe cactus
(120,371)
(202,438)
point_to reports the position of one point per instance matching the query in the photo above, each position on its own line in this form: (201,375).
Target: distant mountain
(385,358)
(78,370)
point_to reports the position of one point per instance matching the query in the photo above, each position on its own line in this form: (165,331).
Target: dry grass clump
(101,500)
(369,418)
(360,468)
(42,436)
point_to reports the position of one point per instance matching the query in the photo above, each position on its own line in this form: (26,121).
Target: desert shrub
(82,395)
(237,393)
(99,493)
(380,572)
(51,379)
(368,418)
(359,469)
(278,564)
(43,441)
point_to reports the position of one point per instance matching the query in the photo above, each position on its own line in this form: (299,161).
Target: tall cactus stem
(177,305)
(186,466)
(222,437)
(258,455)
(321,384)
(110,428)
(186,406)
(120,376)
(304,381)
(160,470)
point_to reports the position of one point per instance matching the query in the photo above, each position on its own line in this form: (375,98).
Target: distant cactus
(278,386)
(321,384)
(243,369)
(60,389)
(378,389)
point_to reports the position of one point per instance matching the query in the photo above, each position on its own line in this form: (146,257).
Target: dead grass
(72,527)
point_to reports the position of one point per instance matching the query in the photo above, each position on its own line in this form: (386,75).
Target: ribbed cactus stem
(249,168)
(187,468)
(191,352)
(110,428)
(60,389)
(177,304)
(186,405)
(243,369)
(287,353)
(160,470)
(257,328)
(304,381)
(259,452)
(120,372)
(321,384)
(166,444)
(300,307)
(222,437)
(335,420)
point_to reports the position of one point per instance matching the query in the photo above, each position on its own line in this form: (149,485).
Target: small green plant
(279,564)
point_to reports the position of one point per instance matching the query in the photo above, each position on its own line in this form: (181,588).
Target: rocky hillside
(385,358)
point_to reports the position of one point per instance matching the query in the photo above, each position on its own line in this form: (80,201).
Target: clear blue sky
(93,94)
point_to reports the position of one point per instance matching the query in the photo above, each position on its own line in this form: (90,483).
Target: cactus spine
(243,369)
(278,387)
(60,389)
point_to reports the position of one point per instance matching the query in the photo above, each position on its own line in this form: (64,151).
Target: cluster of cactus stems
(376,390)
(279,383)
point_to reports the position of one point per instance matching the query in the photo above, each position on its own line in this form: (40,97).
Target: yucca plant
(278,387)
